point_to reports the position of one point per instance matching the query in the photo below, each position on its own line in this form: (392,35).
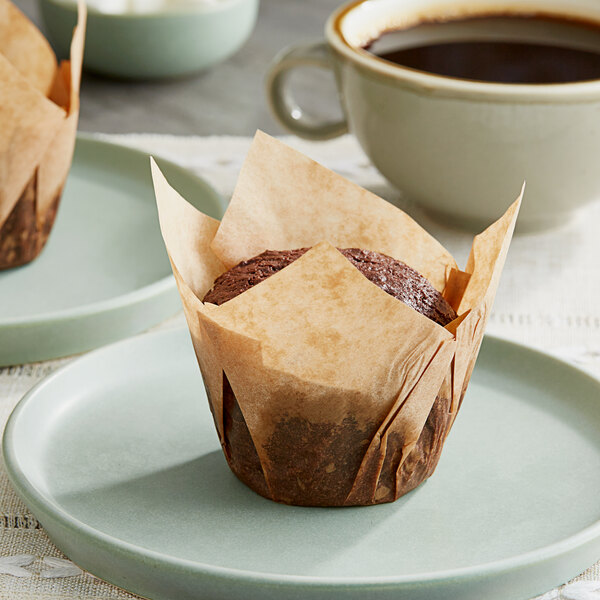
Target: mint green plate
(117,457)
(104,273)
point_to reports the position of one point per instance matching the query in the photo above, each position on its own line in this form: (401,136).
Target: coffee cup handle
(285,108)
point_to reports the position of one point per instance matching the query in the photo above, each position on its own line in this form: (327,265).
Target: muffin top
(391,275)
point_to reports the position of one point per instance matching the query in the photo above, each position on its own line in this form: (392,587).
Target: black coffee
(503,49)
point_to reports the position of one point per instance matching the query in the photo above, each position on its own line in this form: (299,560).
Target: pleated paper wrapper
(324,389)
(39,107)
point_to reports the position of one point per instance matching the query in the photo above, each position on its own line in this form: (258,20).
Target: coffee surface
(500,49)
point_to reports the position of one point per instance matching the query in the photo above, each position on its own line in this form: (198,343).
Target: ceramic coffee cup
(459,148)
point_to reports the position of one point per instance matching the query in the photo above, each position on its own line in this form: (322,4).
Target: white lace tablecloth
(549,298)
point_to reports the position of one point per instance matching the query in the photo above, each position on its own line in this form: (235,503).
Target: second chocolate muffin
(391,275)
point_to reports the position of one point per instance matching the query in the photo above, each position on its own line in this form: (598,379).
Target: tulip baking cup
(325,390)
(38,123)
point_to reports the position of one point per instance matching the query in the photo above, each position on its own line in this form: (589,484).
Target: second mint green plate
(117,457)
(104,273)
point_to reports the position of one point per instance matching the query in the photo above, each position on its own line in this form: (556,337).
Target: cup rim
(432,82)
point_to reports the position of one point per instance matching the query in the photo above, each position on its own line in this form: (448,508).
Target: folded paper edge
(37,42)
(239,222)
(192,253)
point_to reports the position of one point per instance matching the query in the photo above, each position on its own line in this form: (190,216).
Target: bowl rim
(203,7)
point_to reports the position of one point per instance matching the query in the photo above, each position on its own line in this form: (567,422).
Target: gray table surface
(228,99)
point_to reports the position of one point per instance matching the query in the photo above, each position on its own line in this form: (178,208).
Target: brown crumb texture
(391,275)
(24,234)
(250,272)
(315,464)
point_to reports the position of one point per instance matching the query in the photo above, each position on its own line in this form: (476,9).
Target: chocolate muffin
(324,390)
(303,439)
(391,275)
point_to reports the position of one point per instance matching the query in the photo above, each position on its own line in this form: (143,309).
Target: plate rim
(158,287)
(33,497)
